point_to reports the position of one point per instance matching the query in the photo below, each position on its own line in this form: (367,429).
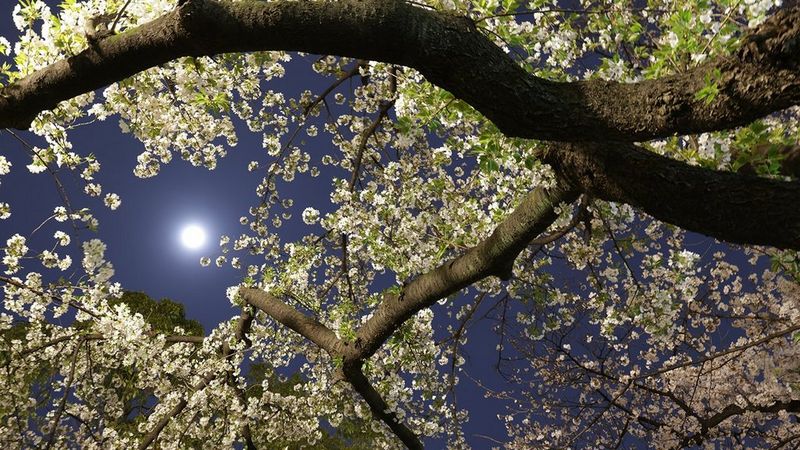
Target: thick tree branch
(327,340)
(240,331)
(493,256)
(738,208)
(708,424)
(454,55)
(152,435)
(760,78)
(353,374)
(306,326)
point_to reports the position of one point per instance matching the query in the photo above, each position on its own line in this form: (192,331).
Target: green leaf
(711,89)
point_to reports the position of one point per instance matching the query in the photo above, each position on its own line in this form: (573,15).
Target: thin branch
(63,403)
(379,408)
(738,348)
(729,411)
(17,284)
(98,337)
(383,111)
(345,76)
(51,343)
(118,16)
(362,146)
(240,332)
(558,234)
(531,12)
(62,192)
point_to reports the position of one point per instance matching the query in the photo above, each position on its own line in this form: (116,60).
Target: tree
(491,148)
(163,317)
(118,383)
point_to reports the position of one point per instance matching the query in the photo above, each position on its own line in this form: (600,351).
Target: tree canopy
(550,158)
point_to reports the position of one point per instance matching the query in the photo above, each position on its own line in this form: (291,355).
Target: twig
(584,203)
(346,76)
(722,353)
(151,436)
(382,113)
(59,186)
(530,12)
(42,294)
(118,16)
(63,404)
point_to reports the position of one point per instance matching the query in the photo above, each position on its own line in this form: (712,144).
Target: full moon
(193,236)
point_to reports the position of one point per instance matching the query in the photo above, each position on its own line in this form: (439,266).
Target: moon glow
(193,236)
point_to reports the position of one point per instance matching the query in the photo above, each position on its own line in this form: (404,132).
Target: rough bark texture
(762,77)
(709,423)
(738,208)
(494,255)
(305,326)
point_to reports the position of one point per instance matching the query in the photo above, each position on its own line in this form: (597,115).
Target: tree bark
(709,423)
(378,406)
(738,208)
(761,77)
(494,255)
(350,370)
(305,326)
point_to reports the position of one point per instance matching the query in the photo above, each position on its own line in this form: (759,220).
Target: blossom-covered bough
(494,150)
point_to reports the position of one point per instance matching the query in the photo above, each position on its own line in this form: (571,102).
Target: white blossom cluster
(408,191)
